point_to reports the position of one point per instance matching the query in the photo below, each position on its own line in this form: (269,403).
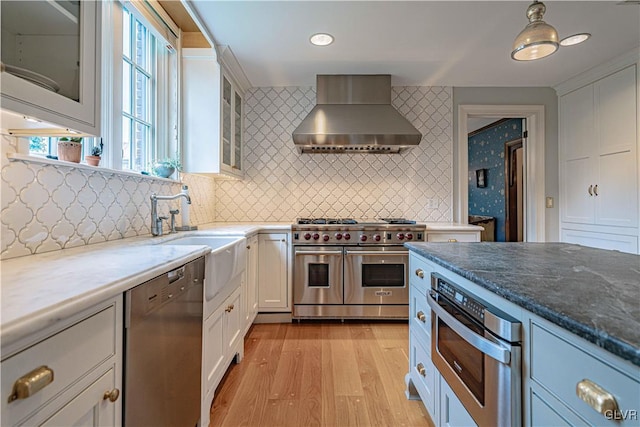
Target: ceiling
(430,43)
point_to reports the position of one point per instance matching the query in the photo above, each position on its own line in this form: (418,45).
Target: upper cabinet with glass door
(51,61)
(211,115)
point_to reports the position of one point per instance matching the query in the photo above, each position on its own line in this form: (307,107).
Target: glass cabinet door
(226,121)
(237,140)
(49,65)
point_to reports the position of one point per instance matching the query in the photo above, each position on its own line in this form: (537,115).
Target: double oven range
(346,268)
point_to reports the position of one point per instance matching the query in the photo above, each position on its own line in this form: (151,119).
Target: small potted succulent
(94,158)
(70,149)
(166,167)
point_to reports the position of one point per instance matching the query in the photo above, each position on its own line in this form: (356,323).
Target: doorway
(533,164)
(496,177)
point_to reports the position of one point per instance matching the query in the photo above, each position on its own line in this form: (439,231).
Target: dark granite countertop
(593,293)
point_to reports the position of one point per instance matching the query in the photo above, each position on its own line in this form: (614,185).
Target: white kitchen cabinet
(453,237)
(84,360)
(598,160)
(452,412)
(273,286)
(251,282)
(52,62)
(222,342)
(212,108)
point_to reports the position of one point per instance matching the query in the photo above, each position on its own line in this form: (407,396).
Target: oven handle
(318,252)
(489,348)
(390,253)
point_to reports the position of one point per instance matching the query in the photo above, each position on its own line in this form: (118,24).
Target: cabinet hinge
(525,134)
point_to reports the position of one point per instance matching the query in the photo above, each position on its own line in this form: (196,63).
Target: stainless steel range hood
(353,113)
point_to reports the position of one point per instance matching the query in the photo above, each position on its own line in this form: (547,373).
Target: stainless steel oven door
(483,371)
(317,276)
(376,275)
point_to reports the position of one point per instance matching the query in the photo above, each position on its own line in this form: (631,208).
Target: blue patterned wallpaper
(486,151)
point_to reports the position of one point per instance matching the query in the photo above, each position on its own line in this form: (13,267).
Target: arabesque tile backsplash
(47,207)
(281,184)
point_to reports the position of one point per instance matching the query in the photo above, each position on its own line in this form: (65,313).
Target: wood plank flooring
(320,374)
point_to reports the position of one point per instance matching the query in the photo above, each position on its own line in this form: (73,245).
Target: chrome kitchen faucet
(156,221)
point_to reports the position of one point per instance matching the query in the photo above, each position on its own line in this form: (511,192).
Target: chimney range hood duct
(353,113)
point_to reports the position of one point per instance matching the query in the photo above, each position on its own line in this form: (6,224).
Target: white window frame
(164,136)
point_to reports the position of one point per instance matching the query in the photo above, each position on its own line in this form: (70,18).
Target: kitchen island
(580,313)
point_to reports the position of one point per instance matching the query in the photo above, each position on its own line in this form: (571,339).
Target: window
(48,146)
(146,86)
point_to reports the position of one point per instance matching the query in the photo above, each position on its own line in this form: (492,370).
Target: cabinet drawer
(420,315)
(558,364)
(454,237)
(423,373)
(616,242)
(419,273)
(70,354)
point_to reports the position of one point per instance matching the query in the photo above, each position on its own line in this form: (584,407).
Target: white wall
(522,96)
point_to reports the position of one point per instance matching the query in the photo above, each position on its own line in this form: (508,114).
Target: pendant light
(538,39)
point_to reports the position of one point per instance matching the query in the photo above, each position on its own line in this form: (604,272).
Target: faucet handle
(174,212)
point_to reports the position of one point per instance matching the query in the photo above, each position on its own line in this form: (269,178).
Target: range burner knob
(307,236)
(363,238)
(400,236)
(409,236)
(316,236)
(325,237)
(376,237)
(338,236)
(346,236)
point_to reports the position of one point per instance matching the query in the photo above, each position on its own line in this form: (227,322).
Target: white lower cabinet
(273,287)
(453,237)
(79,373)
(223,339)
(452,412)
(251,282)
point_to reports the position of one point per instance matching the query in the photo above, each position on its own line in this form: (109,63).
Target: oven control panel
(459,298)
(316,236)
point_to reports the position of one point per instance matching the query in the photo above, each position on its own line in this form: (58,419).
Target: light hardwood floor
(320,374)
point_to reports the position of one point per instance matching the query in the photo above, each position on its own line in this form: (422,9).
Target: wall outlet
(432,204)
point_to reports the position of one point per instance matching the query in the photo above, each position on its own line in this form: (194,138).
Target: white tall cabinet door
(251,293)
(617,194)
(452,412)
(273,253)
(578,144)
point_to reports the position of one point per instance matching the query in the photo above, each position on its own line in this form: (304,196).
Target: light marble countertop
(39,290)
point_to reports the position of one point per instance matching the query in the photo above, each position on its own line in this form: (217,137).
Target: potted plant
(70,149)
(94,158)
(166,167)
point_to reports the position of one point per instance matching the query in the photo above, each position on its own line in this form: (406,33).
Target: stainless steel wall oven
(477,349)
(352,269)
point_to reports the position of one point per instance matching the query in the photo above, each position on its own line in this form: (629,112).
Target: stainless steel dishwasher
(163,349)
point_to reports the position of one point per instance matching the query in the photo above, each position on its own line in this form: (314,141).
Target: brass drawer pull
(595,190)
(421,370)
(590,190)
(31,383)
(597,397)
(452,240)
(112,395)
(421,317)
(420,273)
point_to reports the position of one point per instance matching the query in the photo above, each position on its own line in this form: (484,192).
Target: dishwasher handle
(176,274)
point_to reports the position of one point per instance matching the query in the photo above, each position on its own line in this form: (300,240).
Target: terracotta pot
(70,151)
(92,160)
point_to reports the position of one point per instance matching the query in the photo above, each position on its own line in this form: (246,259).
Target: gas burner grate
(321,221)
(397,220)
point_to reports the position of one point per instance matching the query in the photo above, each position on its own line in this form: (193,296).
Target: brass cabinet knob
(421,317)
(112,395)
(229,308)
(248,246)
(420,273)
(597,397)
(31,383)
(421,370)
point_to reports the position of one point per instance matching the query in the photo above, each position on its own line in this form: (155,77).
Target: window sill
(43,160)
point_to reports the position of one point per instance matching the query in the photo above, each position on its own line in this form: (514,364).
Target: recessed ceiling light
(321,39)
(574,39)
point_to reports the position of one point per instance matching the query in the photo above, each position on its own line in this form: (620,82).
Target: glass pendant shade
(538,39)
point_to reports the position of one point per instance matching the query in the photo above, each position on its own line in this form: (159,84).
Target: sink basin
(224,265)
